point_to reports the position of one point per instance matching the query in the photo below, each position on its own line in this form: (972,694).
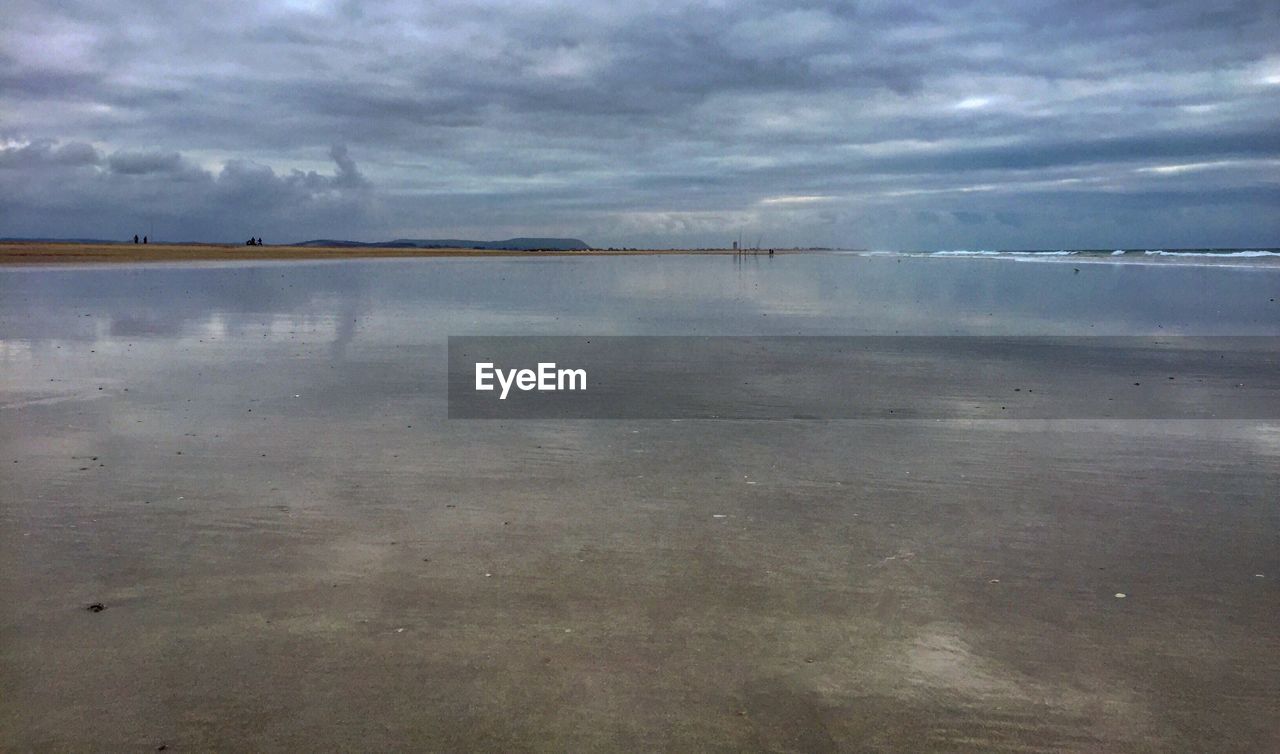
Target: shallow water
(415,301)
(250,467)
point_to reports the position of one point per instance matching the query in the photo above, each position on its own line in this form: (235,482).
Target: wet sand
(295,550)
(76,253)
(23,253)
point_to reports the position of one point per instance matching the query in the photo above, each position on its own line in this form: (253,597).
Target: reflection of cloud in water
(422,301)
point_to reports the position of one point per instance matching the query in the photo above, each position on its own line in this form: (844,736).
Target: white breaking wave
(964,253)
(1243,258)
(1250,253)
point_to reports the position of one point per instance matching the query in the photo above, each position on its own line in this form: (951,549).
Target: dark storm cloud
(46,152)
(1006,124)
(134,191)
(141,163)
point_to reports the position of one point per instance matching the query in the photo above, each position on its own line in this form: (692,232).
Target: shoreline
(27,253)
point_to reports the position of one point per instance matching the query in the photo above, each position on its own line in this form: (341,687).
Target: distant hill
(511,244)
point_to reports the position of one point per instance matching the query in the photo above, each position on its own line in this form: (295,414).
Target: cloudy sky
(994,124)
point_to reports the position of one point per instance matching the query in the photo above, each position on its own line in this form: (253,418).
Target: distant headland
(510,244)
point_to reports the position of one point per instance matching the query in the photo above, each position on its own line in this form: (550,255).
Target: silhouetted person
(135,237)
(259,240)
(144,239)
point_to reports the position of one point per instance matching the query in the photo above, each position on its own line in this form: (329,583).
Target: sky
(958,125)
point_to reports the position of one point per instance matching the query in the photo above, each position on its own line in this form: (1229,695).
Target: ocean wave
(1224,254)
(1220,253)
(1247,257)
(984,253)
(964,253)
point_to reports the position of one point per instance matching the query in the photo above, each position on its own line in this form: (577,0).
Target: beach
(69,252)
(249,468)
(22,252)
